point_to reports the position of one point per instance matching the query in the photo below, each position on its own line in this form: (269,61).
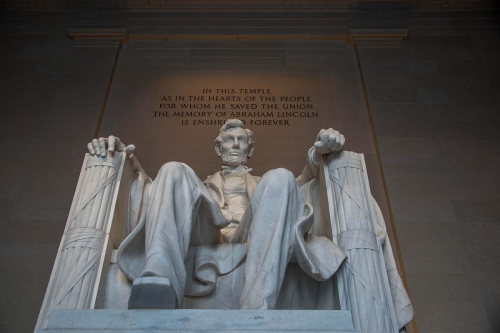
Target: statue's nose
(236,143)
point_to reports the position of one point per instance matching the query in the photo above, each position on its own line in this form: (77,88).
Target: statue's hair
(233,123)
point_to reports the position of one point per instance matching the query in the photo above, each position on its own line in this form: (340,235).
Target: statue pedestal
(80,321)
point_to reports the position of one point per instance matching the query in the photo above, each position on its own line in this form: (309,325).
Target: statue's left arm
(327,141)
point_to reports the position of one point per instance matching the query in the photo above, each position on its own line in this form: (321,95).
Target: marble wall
(433,101)
(147,70)
(51,95)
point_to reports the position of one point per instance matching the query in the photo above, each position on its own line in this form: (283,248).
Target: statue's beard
(232,160)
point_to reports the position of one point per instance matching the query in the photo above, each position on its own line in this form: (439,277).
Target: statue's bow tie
(240,170)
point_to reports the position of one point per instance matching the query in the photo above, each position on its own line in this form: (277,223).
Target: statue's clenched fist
(102,146)
(329,141)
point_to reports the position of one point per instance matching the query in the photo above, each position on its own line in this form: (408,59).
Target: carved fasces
(362,281)
(78,268)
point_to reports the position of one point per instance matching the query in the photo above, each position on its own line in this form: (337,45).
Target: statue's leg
(276,205)
(174,200)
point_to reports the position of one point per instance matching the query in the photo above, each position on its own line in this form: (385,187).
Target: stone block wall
(51,95)
(435,107)
(28,238)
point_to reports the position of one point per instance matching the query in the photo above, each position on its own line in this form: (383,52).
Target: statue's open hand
(102,146)
(329,141)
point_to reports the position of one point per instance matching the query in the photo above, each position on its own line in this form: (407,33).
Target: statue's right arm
(311,169)
(138,190)
(104,146)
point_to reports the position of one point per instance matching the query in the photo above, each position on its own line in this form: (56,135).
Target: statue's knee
(173,169)
(279,176)
(172,166)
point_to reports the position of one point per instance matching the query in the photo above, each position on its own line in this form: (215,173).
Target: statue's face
(234,146)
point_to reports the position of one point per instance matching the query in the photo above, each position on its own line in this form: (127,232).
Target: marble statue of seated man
(263,220)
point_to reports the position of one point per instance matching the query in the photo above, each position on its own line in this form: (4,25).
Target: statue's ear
(250,151)
(218,150)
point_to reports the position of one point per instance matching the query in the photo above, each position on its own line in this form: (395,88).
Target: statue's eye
(242,140)
(229,140)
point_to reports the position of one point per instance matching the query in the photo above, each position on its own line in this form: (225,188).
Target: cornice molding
(102,34)
(248,5)
(181,5)
(376,35)
(446,5)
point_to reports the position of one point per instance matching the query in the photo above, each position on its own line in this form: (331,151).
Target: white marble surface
(199,321)
(84,254)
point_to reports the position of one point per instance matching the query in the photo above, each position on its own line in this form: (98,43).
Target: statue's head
(234,143)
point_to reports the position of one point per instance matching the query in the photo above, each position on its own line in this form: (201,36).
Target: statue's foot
(152,292)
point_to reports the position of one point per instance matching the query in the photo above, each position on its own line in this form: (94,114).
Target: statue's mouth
(234,154)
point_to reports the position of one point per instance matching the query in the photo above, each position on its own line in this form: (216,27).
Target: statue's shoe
(152,292)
